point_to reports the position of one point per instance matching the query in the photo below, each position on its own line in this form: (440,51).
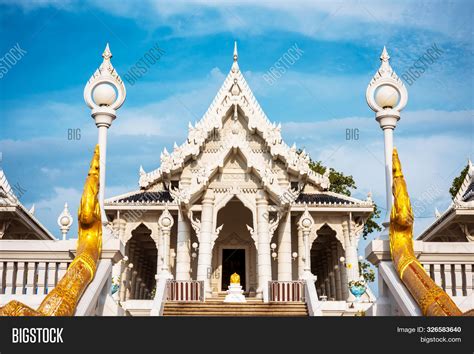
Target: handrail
(312,301)
(94,297)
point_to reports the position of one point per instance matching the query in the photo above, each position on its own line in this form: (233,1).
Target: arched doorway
(234,249)
(331,274)
(142,253)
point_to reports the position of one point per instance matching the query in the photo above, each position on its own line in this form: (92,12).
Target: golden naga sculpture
(235,279)
(63,299)
(433,300)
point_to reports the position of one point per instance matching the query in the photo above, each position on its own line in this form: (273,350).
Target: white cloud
(318,19)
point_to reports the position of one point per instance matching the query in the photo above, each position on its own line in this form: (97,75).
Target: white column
(31,277)
(204,268)
(351,259)
(264,256)
(165,222)
(301,251)
(284,249)
(306,223)
(20,274)
(337,270)
(183,249)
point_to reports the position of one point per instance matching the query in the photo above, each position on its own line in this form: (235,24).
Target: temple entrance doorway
(233,261)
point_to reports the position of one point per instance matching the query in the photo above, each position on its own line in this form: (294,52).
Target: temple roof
(466,191)
(330,198)
(234,92)
(11,209)
(142,197)
(461,208)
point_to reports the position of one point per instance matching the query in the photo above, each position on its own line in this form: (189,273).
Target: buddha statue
(235,279)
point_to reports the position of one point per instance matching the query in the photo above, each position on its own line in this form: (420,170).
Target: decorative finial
(437,213)
(469,163)
(107,54)
(236,54)
(32,210)
(369,196)
(384,56)
(142,171)
(65,221)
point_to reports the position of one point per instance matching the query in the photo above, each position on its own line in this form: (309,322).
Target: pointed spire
(469,163)
(142,171)
(236,54)
(384,56)
(32,210)
(437,213)
(107,54)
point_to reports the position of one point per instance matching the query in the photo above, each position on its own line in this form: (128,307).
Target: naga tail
(433,300)
(63,299)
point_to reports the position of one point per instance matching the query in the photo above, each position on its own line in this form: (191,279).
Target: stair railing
(311,298)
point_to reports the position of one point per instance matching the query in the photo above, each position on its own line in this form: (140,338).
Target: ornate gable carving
(239,123)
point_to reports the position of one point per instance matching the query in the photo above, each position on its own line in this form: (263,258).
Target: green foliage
(370,225)
(343,184)
(457,182)
(339,182)
(366,271)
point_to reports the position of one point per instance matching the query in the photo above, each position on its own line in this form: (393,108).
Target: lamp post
(104,93)
(387,96)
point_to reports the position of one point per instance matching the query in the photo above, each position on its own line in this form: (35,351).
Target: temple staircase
(254,307)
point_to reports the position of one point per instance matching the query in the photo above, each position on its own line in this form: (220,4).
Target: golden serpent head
(89,209)
(401,214)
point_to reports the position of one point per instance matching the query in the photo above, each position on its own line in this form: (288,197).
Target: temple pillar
(343,271)
(351,260)
(165,222)
(204,268)
(284,249)
(183,249)
(306,223)
(264,254)
(301,251)
(337,270)
(332,276)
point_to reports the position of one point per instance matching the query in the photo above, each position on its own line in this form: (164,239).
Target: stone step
(234,314)
(209,306)
(216,307)
(227,306)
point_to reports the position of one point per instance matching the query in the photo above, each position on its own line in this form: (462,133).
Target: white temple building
(232,198)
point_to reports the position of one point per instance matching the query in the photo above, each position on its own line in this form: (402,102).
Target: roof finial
(236,54)
(384,56)
(107,54)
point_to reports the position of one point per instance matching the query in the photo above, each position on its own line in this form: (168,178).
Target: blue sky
(316,99)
